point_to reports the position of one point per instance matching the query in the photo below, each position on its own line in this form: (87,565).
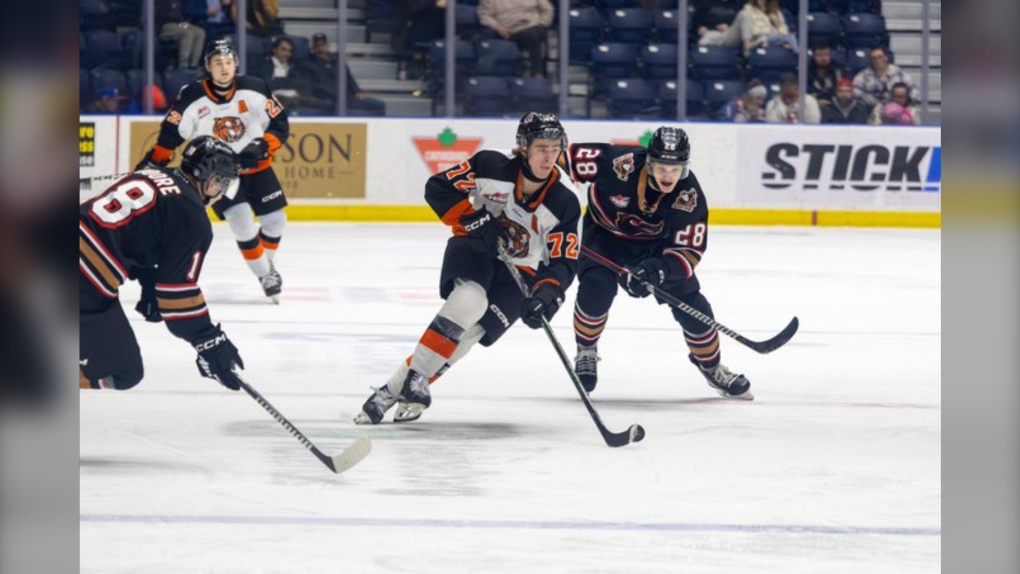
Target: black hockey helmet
(540,126)
(221,46)
(669,145)
(209,160)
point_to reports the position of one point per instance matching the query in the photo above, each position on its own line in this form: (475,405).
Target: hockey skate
(374,409)
(414,398)
(272,284)
(725,382)
(586,365)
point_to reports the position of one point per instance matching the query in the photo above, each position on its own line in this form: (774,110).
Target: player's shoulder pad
(489,161)
(190,93)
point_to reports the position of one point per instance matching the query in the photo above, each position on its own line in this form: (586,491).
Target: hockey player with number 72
(648,214)
(522,199)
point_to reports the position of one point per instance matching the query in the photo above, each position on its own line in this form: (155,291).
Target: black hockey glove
(652,270)
(217,357)
(147,305)
(545,300)
(149,163)
(253,153)
(483,226)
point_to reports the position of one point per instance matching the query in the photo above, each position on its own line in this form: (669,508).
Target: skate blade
(275,299)
(363,419)
(745,396)
(408,412)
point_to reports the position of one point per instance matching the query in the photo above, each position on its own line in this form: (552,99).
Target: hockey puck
(638,433)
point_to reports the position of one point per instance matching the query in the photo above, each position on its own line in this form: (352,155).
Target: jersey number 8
(119,204)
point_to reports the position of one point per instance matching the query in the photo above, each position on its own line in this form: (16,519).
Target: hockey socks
(255,256)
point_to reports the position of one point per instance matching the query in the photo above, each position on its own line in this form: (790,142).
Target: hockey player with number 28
(242,112)
(152,219)
(521,199)
(647,213)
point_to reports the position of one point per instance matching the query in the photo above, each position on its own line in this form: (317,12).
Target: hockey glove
(483,226)
(652,270)
(147,305)
(545,300)
(253,153)
(217,358)
(149,163)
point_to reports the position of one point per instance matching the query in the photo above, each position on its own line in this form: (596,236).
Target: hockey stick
(636,432)
(351,455)
(763,347)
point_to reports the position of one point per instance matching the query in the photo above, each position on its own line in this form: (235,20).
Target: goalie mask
(212,166)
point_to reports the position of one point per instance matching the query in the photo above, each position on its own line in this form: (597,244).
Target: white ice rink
(835,467)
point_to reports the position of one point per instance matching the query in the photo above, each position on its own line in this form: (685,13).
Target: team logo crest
(519,237)
(500,197)
(624,166)
(229,129)
(686,200)
(620,201)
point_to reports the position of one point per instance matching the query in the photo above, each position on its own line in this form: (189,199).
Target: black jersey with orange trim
(622,201)
(150,218)
(247,111)
(542,227)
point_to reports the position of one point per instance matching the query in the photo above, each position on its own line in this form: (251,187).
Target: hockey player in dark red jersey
(152,223)
(522,199)
(646,212)
(241,111)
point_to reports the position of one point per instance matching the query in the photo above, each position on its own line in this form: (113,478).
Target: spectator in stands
(417,22)
(788,107)
(159,102)
(217,18)
(736,109)
(109,101)
(321,72)
(263,17)
(823,74)
(846,108)
(279,72)
(172,25)
(899,110)
(523,21)
(872,84)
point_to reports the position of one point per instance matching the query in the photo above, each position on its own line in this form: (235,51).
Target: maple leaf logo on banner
(446,150)
(639,142)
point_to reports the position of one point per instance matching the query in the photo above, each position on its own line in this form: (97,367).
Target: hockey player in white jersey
(241,111)
(522,199)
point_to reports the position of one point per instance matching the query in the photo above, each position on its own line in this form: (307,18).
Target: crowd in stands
(741,65)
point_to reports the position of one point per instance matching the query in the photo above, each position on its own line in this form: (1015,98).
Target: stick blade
(784,336)
(634,434)
(351,455)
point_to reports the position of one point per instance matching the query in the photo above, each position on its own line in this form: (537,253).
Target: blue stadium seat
(173,80)
(100,78)
(468,25)
(830,6)
(486,96)
(720,92)
(611,62)
(695,100)
(715,63)
(95,15)
(380,17)
(530,94)
(859,58)
(257,48)
(768,64)
(658,61)
(632,98)
(586,30)
(629,25)
(103,48)
(302,47)
(613,4)
(498,58)
(435,64)
(863,6)
(84,88)
(824,26)
(665,24)
(865,30)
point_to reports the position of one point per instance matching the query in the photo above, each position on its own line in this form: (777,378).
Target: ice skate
(272,284)
(725,382)
(414,398)
(586,366)
(374,409)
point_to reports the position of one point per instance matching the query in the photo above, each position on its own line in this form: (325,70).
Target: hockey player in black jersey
(152,225)
(522,199)
(241,111)
(646,212)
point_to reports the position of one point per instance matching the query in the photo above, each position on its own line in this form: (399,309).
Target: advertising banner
(821,167)
(97,151)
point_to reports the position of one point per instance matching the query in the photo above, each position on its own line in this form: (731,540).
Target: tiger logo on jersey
(686,200)
(229,129)
(519,237)
(624,166)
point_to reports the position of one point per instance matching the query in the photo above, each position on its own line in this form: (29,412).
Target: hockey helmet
(210,161)
(540,126)
(669,145)
(220,47)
